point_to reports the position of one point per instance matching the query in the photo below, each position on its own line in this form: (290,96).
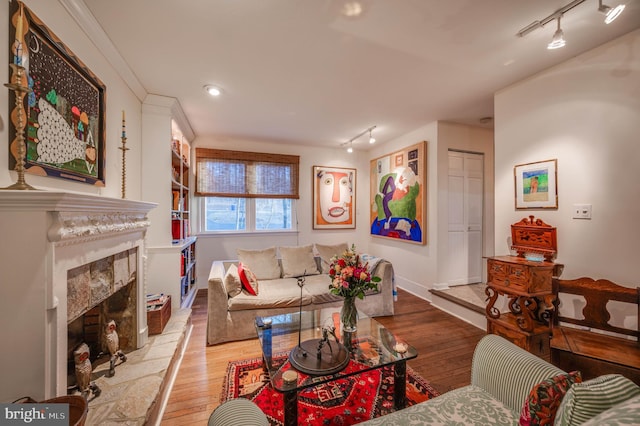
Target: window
(245,191)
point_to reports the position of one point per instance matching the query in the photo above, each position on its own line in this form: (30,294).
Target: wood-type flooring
(445,347)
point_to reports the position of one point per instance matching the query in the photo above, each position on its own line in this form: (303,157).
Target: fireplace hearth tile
(133,395)
(138,397)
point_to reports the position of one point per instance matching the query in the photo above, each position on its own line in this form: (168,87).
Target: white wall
(216,247)
(418,267)
(118,98)
(586,114)
(470,139)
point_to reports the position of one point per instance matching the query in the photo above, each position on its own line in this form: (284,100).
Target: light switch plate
(582,211)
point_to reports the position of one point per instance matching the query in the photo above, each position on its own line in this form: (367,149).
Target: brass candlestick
(124,149)
(20,91)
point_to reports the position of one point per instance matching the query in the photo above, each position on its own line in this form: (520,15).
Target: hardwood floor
(445,346)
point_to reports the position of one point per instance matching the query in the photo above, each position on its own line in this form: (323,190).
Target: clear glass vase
(349,315)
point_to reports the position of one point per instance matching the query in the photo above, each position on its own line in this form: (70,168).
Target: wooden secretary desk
(526,281)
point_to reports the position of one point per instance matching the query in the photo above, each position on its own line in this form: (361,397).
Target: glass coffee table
(370,347)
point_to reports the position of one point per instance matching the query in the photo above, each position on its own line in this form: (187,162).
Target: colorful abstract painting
(398,195)
(334,197)
(64,109)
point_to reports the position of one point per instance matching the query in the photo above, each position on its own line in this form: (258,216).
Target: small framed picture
(536,185)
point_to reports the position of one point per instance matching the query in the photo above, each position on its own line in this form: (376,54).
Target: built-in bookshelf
(167,180)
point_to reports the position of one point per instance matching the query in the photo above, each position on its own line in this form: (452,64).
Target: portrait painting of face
(334,195)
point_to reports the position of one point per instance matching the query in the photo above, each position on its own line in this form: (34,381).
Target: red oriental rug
(342,402)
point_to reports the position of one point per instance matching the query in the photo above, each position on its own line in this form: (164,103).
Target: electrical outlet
(582,211)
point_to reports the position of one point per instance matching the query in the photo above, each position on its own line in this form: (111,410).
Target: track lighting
(349,143)
(611,14)
(558,38)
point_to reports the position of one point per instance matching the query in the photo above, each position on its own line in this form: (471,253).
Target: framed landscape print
(334,197)
(65,108)
(536,185)
(399,194)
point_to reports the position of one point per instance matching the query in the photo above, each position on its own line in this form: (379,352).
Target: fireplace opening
(98,293)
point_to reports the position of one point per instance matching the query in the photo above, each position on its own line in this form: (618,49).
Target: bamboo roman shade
(223,173)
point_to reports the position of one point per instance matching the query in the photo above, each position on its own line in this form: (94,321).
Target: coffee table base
(313,359)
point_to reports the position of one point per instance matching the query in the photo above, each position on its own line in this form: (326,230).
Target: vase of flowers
(350,279)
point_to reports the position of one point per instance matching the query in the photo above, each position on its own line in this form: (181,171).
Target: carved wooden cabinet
(527,286)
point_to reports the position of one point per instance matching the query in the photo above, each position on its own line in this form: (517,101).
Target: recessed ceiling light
(213,90)
(352,9)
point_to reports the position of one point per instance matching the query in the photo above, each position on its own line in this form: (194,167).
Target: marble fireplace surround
(45,234)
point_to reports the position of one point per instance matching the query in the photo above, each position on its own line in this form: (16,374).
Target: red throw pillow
(542,404)
(248,279)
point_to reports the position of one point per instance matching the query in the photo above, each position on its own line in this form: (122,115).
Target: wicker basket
(78,406)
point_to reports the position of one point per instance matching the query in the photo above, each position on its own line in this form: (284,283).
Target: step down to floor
(458,300)
(466,302)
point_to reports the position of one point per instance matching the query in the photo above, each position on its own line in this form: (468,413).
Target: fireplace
(97,293)
(65,246)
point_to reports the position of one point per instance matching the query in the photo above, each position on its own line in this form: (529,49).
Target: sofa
(510,386)
(273,274)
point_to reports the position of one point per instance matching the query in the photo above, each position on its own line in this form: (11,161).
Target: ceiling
(300,71)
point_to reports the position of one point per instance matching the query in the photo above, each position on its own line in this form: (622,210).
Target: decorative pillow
(232,281)
(326,252)
(625,413)
(592,397)
(542,404)
(248,279)
(298,261)
(263,263)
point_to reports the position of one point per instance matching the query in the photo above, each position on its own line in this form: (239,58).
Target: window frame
(252,161)
(250,219)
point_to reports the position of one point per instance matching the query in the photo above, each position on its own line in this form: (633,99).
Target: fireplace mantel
(44,235)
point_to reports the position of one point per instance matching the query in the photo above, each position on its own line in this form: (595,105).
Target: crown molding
(88,23)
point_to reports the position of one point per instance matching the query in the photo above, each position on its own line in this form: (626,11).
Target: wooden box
(158,318)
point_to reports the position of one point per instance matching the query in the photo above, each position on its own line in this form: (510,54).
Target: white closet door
(465,217)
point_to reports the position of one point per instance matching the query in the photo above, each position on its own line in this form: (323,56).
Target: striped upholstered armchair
(502,375)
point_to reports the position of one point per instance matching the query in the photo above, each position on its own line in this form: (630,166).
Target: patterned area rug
(342,402)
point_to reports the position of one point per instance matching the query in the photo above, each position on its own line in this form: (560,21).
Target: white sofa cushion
(317,287)
(263,263)
(298,261)
(326,252)
(232,281)
(278,293)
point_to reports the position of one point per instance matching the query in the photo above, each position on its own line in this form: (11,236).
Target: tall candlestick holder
(20,90)
(124,150)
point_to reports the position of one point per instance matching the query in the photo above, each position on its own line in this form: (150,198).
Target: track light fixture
(558,36)
(349,143)
(611,14)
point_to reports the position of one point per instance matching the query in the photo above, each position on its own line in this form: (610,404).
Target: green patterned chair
(502,375)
